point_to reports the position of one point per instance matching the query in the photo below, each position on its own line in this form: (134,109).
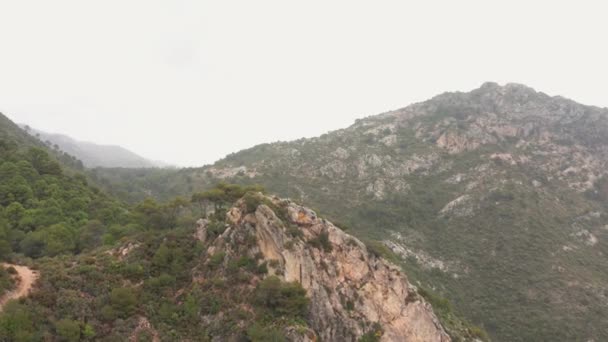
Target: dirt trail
(25,278)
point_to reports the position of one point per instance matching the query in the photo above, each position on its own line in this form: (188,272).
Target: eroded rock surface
(349,289)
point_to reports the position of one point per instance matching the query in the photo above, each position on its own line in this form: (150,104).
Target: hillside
(94,155)
(496,198)
(87,267)
(45,203)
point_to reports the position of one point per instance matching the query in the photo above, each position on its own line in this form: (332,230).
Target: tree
(123,301)
(14,213)
(173,208)
(281,299)
(16,190)
(260,333)
(68,330)
(54,240)
(8,170)
(202,200)
(191,308)
(150,215)
(43,163)
(5,247)
(162,257)
(16,323)
(91,235)
(216,196)
(27,171)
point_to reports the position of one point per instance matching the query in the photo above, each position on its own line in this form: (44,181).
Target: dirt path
(25,278)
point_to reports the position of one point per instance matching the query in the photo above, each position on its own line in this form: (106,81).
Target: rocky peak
(509,88)
(351,290)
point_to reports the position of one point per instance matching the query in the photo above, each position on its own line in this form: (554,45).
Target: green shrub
(281,299)
(439,303)
(216,259)
(321,242)
(88,332)
(379,250)
(479,333)
(294,231)
(68,330)
(210,304)
(252,202)
(260,333)
(216,228)
(123,301)
(374,335)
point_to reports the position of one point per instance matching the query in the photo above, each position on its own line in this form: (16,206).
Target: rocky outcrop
(350,289)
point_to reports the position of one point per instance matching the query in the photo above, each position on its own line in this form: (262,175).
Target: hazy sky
(188,82)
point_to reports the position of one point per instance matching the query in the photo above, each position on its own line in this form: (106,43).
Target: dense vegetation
(524,257)
(112,271)
(135,278)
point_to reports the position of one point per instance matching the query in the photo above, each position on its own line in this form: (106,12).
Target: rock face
(349,288)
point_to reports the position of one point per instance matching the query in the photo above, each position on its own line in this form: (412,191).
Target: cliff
(350,289)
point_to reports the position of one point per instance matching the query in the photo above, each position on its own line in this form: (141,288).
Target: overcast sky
(188,82)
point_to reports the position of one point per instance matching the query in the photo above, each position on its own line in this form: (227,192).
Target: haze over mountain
(497,198)
(345,173)
(94,155)
(204,74)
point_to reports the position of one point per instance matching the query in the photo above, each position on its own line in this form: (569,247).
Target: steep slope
(264,269)
(94,155)
(495,198)
(46,206)
(350,290)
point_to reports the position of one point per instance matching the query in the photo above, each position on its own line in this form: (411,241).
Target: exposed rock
(299,335)
(492,163)
(201,230)
(376,189)
(455,142)
(504,157)
(341,153)
(460,206)
(349,289)
(143,324)
(588,238)
(123,251)
(223,173)
(389,140)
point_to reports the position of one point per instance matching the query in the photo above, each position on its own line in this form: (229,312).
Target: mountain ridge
(256,268)
(467,187)
(95,155)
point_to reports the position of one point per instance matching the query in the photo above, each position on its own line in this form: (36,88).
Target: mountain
(93,155)
(352,292)
(235,264)
(495,198)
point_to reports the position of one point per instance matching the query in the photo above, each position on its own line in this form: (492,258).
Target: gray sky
(188,82)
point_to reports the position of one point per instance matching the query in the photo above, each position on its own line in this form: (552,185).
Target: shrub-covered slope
(94,155)
(263,270)
(495,198)
(47,208)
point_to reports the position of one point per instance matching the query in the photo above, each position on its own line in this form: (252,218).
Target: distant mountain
(94,155)
(496,198)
